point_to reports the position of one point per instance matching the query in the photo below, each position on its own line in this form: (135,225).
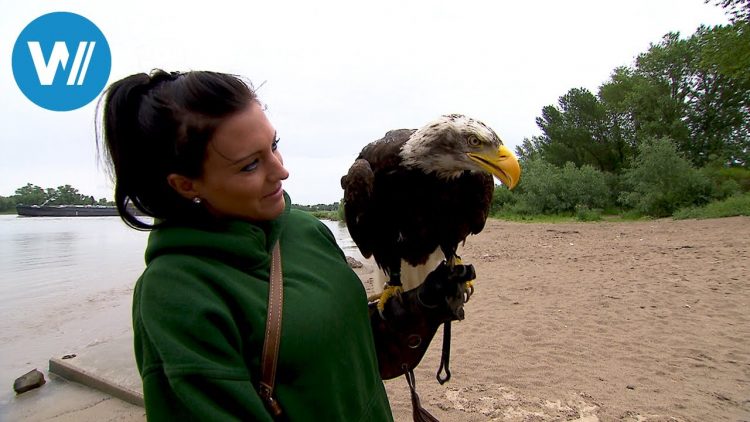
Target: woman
(196,152)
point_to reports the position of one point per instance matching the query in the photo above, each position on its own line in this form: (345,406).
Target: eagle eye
(474,141)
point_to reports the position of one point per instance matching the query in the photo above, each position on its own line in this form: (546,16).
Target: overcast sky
(337,75)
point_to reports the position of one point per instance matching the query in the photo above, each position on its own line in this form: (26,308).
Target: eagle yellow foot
(388,292)
(469,290)
(469,284)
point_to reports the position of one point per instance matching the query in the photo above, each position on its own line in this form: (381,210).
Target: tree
(30,195)
(644,106)
(660,181)
(546,188)
(738,10)
(580,130)
(530,148)
(7,204)
(719,104)
(68,195)
(63,195)
(725,53)
(687,90)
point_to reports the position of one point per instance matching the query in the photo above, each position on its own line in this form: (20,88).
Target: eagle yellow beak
(501,163)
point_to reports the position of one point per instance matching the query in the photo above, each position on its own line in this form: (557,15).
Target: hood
(247,244)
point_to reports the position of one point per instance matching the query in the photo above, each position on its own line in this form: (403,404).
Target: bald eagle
(415,195)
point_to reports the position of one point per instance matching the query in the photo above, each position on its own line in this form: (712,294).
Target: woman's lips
(276,192)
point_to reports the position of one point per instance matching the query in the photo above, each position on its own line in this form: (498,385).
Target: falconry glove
(408,324)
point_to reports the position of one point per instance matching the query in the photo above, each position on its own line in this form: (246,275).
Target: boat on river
(67,210)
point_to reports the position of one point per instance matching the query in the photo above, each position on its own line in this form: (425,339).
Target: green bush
(340,212)
(727,181)
(734,205)
(502,199)
(661,181)
(325,215)
(584,213)
(7,204)
(546,188)
(741,175)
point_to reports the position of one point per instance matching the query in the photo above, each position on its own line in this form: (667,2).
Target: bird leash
(419,413)
(406,326)
(445,357)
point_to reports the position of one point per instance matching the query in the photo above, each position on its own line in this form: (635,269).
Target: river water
(66,283)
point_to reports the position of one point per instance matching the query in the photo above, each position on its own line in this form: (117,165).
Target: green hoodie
(199,313)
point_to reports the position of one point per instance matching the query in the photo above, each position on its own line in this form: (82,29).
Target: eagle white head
(455,143)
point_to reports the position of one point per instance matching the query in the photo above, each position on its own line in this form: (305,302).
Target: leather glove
(409,322)
(445,289)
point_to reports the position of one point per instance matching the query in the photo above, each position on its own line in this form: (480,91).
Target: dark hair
(159,124)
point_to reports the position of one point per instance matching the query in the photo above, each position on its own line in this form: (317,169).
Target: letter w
(46,71)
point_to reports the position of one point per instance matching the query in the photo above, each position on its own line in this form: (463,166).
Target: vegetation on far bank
(322,211)
(667,136)
(35,195)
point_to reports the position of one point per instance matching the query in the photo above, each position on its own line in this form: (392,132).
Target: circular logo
(61,61)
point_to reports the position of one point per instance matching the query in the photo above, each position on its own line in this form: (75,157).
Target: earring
(197,200)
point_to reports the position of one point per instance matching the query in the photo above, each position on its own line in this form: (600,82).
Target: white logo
(61,61)
(59,57)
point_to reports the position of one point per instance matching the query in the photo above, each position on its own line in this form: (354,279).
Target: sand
(637,321)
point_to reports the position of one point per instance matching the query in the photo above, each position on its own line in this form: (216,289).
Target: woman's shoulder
(304,227)
(185,280)
(302,221)
(238,244)
(303,217)
(173,272)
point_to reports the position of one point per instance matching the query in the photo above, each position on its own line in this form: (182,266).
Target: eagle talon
(453,261)
(469,290)
(388,292)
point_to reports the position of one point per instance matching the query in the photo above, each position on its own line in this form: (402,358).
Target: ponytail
(159,124)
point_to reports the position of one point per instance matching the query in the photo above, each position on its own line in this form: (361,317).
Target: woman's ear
(182,185)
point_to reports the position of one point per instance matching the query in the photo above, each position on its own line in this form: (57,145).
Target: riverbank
(637,321)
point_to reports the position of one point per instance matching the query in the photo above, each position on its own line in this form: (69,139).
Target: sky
(336,75)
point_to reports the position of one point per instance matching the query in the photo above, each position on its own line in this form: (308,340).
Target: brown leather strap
(445,358)
(419,413)
(272,339)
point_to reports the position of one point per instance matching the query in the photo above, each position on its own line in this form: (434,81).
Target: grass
(730,207)
(535,218)
(582,214)
(325,215)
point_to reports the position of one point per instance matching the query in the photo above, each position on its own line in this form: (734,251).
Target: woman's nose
(279,172)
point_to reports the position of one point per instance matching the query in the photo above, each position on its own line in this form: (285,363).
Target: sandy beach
(636,321)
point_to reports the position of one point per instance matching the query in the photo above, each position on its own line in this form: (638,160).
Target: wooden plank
(76,374)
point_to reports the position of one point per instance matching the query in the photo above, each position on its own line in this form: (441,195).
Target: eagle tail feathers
(412,276)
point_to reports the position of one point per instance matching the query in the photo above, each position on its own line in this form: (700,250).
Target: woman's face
(243,170)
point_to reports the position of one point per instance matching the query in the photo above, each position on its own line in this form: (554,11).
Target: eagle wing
(359,187)
(477,189)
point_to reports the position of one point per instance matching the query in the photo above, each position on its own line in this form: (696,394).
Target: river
(66,283)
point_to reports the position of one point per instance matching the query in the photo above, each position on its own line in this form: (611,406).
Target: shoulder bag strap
(272,339)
